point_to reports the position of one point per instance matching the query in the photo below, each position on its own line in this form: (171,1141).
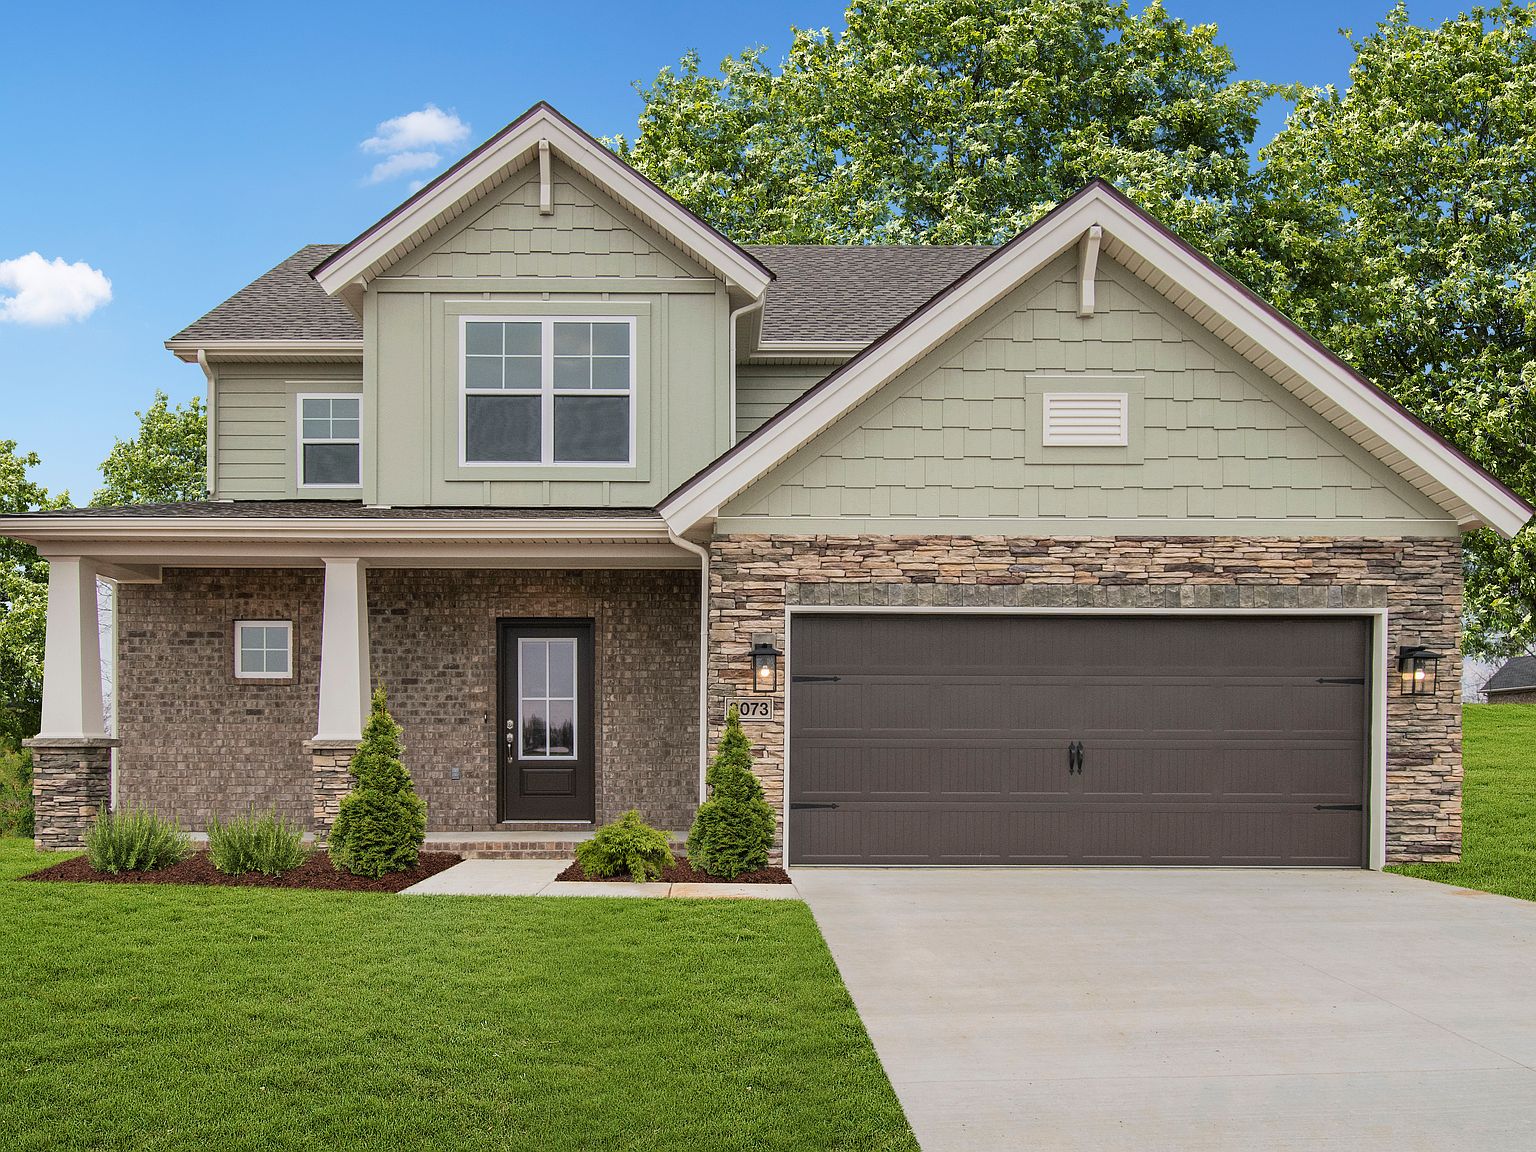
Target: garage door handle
(1075,757)
(797,807)
(1337,807)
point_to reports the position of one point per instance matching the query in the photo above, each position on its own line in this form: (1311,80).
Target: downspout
(754,306)
(703,555)
(202,362)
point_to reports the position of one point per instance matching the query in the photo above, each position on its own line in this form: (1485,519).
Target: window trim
(301,439)
(240,673)
(547,390)
(575,699)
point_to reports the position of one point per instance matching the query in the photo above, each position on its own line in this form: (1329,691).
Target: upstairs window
(551,390)
(330,441)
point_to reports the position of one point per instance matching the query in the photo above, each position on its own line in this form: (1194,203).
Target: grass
(168,1018)
(1498,804)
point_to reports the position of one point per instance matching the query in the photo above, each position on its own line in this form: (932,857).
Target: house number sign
(754,709)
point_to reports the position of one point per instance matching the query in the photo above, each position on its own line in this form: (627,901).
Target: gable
(955,442)
(587,234)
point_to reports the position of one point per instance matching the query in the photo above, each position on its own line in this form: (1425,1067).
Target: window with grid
(548,391)
(330,441)
(263,649)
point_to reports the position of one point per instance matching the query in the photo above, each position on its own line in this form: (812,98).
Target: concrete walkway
(1181,1009)
(537,878)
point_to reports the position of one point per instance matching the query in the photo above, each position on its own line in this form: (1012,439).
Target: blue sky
(182,149)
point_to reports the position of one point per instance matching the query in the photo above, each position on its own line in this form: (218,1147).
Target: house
(1514,683)
(1068,551)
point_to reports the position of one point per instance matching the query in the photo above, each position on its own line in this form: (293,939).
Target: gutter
(703,555)
(210,416)
(730,323)
(42,527)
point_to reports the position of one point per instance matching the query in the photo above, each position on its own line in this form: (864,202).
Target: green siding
(762,390)
(255,417)
(954,443)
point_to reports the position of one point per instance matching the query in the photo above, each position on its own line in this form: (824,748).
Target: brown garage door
(963,739)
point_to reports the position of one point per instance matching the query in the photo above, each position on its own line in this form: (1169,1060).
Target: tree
(23,601)
(166,461)
(382,822)
(1401,229)
(953,121)
(733,829)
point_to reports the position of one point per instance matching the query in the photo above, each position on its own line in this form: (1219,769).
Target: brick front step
(522,845)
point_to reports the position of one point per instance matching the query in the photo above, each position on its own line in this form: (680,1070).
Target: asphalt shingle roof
(822,293)
(1517,673)
(282,304)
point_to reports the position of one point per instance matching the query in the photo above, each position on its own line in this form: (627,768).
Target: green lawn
(161,1017)
(1499,804)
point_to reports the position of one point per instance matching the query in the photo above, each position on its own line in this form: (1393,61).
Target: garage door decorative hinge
(1337,807)
(797,807)
(814,679)
(1341,679)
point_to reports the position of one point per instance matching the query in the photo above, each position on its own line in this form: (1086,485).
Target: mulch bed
(316,872)
(682,872)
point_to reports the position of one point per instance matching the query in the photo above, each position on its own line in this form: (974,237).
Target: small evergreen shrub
(382,821)
(268,844)
(733,830)
(15,792)
(630,845)
(132,840)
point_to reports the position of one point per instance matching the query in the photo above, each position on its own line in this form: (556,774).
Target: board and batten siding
(763,390)
(590,256)
(256,427)
(954,443)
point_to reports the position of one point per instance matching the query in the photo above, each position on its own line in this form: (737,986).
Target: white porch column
(72,654)
(344,675)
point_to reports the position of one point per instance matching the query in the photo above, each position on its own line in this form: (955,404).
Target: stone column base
(71,782)
(330,779)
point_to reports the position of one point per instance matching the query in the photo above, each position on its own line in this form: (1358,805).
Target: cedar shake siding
(1418,581)
(196,742)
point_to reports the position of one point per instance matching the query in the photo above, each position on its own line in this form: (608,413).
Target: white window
(263,649)
(330,441)
(1086,419)
(547,390)
(546,699)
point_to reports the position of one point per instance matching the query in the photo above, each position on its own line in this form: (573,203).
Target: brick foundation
(1417,580)
(71,782)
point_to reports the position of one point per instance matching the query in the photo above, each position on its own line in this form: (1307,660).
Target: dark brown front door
(963,739)
(546,730)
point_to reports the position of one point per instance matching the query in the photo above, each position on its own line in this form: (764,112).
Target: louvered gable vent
(1079,419)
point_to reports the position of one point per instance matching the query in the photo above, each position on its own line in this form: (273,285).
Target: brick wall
(1418,581)
(196,742)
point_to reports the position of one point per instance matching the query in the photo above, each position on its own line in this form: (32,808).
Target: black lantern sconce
(1416,668)
(765,664)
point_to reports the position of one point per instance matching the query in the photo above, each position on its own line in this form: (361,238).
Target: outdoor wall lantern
(1416,666)
(765,664)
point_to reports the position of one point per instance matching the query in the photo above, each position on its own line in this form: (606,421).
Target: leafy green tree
(952,121)
(166,461)
(733,829)
(23,601)
(1400,227)
(382,821)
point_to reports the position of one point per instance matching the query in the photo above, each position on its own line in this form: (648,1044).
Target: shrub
(630,845)
(15,792)
(268,844)
(132,840)
(382,821)
(734,828)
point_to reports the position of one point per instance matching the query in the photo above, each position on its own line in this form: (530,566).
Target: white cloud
(38,291)
(401,163)
(430,127)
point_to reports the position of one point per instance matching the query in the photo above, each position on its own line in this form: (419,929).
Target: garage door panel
(1210,740)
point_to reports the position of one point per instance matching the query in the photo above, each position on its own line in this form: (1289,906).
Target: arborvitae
(382,821)
(734,828)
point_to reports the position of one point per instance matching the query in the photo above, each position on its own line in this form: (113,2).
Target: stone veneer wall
(1418,580)
(198,742)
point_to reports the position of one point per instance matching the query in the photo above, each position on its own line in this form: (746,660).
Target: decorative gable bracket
(1087,269)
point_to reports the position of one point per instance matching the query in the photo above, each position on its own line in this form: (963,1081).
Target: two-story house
(1072,550)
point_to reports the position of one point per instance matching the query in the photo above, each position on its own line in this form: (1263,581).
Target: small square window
(263,649)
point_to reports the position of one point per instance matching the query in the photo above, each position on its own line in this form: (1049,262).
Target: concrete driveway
(1119,1009)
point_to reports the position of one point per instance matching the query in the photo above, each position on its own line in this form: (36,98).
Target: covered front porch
(546,669)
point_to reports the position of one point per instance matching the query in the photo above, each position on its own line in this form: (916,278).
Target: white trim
(345,673)
(400,232)
(298,423)
(547,391)
(600,529)
(287,627)
(1376,744)
(188,350)
(1361,410)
